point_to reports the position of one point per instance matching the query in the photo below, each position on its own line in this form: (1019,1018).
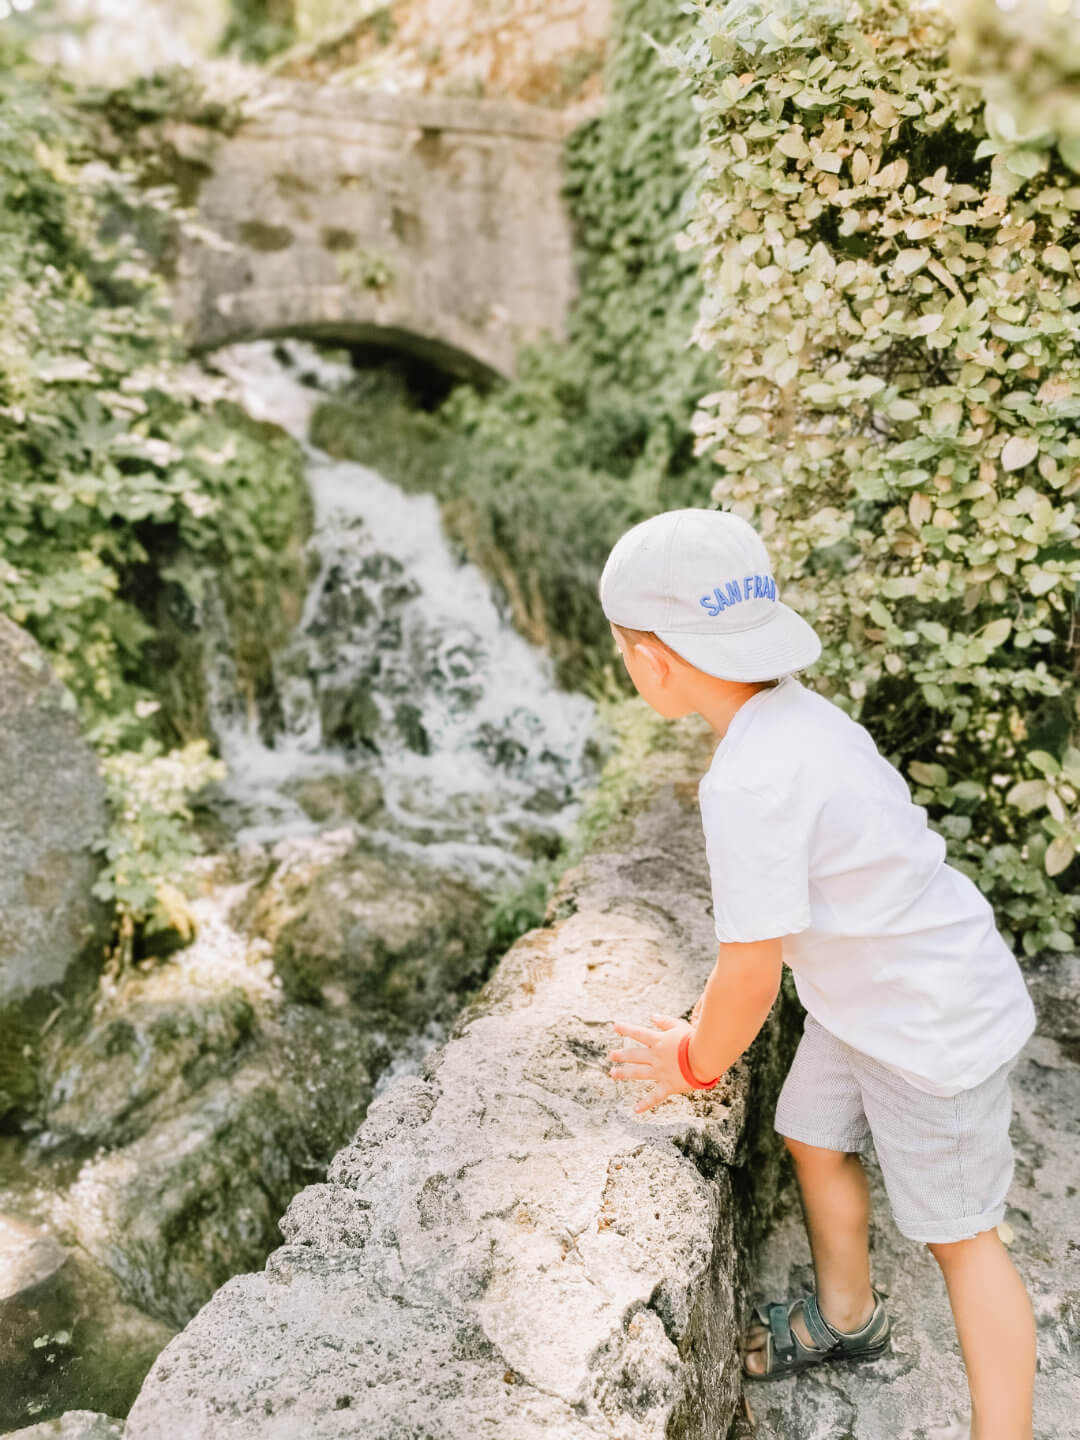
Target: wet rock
(407,717)
(353,795)
(174,1213)
(350,717)
(392,936)
(52,928)
(108,1079)
(39,1311)
(64,1339)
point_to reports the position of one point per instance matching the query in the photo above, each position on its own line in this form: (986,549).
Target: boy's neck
(721,699)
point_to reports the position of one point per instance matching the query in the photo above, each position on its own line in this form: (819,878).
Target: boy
(916,1007)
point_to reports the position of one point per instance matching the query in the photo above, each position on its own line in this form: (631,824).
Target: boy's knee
(948,1252)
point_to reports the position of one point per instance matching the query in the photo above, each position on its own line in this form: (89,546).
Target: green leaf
(995,633)
(1059,855)
(1059,940)
(1018,451)
(910,261)
(903,410)
(1043,761)
(1027,795)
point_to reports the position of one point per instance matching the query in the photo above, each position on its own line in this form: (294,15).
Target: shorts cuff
(853,1144)
(944,1232)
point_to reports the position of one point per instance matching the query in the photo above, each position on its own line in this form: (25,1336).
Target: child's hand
(658,1061)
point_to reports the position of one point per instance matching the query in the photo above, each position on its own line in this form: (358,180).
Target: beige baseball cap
(701,581)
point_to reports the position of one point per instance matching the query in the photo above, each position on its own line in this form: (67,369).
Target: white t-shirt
(811,834)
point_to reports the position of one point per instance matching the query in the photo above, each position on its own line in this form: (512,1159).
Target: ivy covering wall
(887,227)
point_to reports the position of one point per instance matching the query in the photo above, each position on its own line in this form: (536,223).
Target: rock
(36,1303)
(29,1257)
(503,1245)
(153,1046)
(178,1210)
(52,928)
(1054,981)
(349,717)
(74,1425)
(353,795)
(392,936)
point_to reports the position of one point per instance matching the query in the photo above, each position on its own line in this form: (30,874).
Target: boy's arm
(738,997)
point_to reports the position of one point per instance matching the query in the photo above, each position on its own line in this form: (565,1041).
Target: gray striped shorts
(947,1161)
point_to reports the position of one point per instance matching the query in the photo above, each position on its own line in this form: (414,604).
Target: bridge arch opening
(432,365)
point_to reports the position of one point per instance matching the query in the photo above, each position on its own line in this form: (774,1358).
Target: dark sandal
(785,1352)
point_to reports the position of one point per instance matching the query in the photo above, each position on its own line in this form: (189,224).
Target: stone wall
(504,1249)
(426,224)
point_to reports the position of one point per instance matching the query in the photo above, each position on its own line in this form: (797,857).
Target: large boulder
(177,1211)
(52,928)
(388,935)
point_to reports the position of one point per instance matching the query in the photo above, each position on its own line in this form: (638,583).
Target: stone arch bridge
(433,225)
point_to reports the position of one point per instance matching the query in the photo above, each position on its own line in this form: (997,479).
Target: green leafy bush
(151,838)
(887,226)
(116,454)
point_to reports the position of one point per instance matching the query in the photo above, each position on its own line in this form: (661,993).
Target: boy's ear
(655,658)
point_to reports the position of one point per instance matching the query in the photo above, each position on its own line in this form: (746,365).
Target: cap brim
(785,642)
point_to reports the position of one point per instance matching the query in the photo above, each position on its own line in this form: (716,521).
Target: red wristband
(684,1066)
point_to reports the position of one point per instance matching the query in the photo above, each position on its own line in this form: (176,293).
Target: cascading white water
(464,726)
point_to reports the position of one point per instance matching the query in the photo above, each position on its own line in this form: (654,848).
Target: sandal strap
(817,1327)
(783,1341)
(873,1332)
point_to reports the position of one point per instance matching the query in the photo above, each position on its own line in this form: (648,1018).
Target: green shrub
(892,306)
(116,454)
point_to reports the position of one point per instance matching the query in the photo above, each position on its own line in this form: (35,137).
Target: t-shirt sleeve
(758,852)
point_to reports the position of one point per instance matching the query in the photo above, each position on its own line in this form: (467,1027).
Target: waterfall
(402,653)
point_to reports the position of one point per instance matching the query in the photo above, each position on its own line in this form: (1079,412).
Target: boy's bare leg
(996,1329)
(836,1206)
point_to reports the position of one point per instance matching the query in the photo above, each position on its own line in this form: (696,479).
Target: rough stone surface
(420,222)
(918,1391)
(504,1248)
(54,807)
